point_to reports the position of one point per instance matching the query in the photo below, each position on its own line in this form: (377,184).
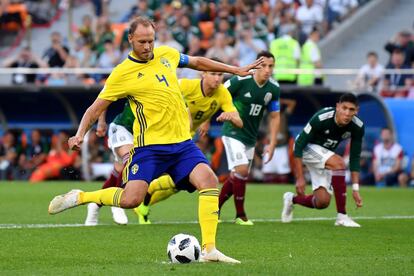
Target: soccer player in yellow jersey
(204,97)
(162,138)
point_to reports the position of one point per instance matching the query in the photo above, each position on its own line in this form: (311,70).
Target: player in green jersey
(251,96)
(120,141)
(315,147)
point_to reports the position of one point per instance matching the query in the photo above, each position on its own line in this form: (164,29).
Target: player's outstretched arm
(203,128)
(88,119)
(232,117)
(274,124)
(300,179)
(206,64)
(355,189)
(102,126)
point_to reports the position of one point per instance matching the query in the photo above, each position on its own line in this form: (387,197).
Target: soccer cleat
(216,256)
(142,212)
(63,202)
(119,216)
(344,220)
(240,221)
(93,214)
(287,212)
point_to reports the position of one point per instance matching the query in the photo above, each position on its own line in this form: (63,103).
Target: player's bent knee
(242,171)
(130,202)
(321,204)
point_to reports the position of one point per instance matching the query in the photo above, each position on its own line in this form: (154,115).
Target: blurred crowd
(231,30)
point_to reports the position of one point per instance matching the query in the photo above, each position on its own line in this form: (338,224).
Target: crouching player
(315,147)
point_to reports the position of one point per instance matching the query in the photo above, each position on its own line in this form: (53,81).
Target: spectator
(58,158)
(397,84)
(109,58)
(25,59)
(402,42)
(407,179)
(85,55)
(221,50)
(104,33)
(140,9)
(164,37)
(224,27)
(287,54)
(370,75)
(8,155)
(32,156)
(387,163)
(308,16)
(247,47)
(85,32)
(73,79)
(184,32)
(57,54)
(338,10)
(284,24)
(311,59)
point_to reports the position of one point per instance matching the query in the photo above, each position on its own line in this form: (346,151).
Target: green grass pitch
(310,245)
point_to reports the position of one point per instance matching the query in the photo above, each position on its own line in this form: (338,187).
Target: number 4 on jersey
(162,79)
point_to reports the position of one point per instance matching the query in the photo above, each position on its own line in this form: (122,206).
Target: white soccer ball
(183,248)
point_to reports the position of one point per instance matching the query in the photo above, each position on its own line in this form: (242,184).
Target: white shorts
(315,157)
(237,153)
(279,163)
(117,137)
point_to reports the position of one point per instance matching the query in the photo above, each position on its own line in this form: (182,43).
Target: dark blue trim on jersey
(273,106)
(139,61)
(184,60)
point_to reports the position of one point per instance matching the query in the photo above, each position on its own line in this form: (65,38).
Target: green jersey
(323,130)
(250,100)
(125,118)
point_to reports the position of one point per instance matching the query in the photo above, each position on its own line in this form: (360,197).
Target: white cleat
(216,256)
(93,214)
(63,202)
(119,216)
(344,220)
(287,212)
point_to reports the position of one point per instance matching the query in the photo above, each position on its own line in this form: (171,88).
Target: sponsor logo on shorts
(134,169)
(239,156)
(122,138)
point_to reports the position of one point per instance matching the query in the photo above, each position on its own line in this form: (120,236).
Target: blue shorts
(150,162)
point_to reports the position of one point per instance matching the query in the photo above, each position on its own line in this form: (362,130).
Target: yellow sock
(161,188)
(208,216)
(109,197)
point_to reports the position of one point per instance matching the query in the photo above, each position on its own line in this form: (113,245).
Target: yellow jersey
(202,107)
(154,95)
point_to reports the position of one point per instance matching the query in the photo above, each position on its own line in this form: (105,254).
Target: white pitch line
(33,226)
